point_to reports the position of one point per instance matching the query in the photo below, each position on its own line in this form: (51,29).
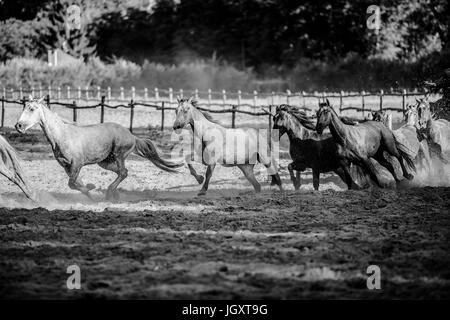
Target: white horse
(408,135)
(436,131)
(74,146)
(217,149)
(10,168)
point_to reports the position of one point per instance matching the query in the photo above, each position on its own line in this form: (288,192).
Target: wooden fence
(163,100)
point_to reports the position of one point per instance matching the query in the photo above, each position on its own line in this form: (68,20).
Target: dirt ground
(162,241)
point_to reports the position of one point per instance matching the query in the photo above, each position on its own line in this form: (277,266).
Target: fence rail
(163,100)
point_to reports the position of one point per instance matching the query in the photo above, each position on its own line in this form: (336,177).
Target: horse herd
(350,149)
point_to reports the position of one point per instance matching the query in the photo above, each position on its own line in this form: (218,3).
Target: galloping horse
(216,150)
(358,143)
(74,146)
(436,131)
(307,148)
(11,168)
(408,135)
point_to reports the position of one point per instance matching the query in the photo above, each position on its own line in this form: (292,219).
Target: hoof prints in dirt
(279,245)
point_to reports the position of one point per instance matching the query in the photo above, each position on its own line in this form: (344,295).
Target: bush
(197,75)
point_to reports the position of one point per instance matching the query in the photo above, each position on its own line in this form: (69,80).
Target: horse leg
(372,171)
(247,170)
(387,164)
(423,155)
(73,171)
(391,148)
(209,172)
(295,179)
(197,177)
(344,173)
(116,165)
(316,178)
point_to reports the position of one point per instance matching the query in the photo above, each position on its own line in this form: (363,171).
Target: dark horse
(308,149)
(358,143)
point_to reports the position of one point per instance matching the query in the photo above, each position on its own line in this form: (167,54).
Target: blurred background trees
(312,44)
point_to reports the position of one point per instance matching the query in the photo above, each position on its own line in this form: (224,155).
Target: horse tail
(404,153)
(11,168)
(146,149)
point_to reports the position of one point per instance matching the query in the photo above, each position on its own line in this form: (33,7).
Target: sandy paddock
(162,241)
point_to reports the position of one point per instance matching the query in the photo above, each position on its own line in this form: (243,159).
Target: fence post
(156,95)
(40,91)
(170,96)
(133,93)
(87,92)
(303,98)
(162,116)
(102,109)
(32,91)
(122,94)
(270,126)
(68,92)
(363,93)
(404,100)
(59,93)
(224,97)
(49,91)
(4,93)
(341,101)
(21,93)
(233,116)
(98,92)
(381,99)
(109,93)
(196,94)
(131,114)
(48,101)
(209,97)
(3,110)
(255,97)
(79,93)
(74,111)
(288,93)
(145,94)
(181,93)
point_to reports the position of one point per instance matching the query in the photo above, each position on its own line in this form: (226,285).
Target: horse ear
(328,102)
(178,99)
(30,97)
(417,100)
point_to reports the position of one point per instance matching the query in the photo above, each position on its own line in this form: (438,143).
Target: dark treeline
(273,38)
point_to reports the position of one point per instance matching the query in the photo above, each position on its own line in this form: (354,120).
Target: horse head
(183,112)
(323,116)
(281,120)
(423,111)
(31,114)
(411,116)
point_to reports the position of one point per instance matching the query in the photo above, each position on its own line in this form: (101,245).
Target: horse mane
(208,117)
(345,120)
(298,114)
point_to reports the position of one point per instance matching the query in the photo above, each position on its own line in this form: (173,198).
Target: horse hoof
(200,180)
(90,186)
(201,193)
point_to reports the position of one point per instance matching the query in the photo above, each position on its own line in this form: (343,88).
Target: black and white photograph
(205,150)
